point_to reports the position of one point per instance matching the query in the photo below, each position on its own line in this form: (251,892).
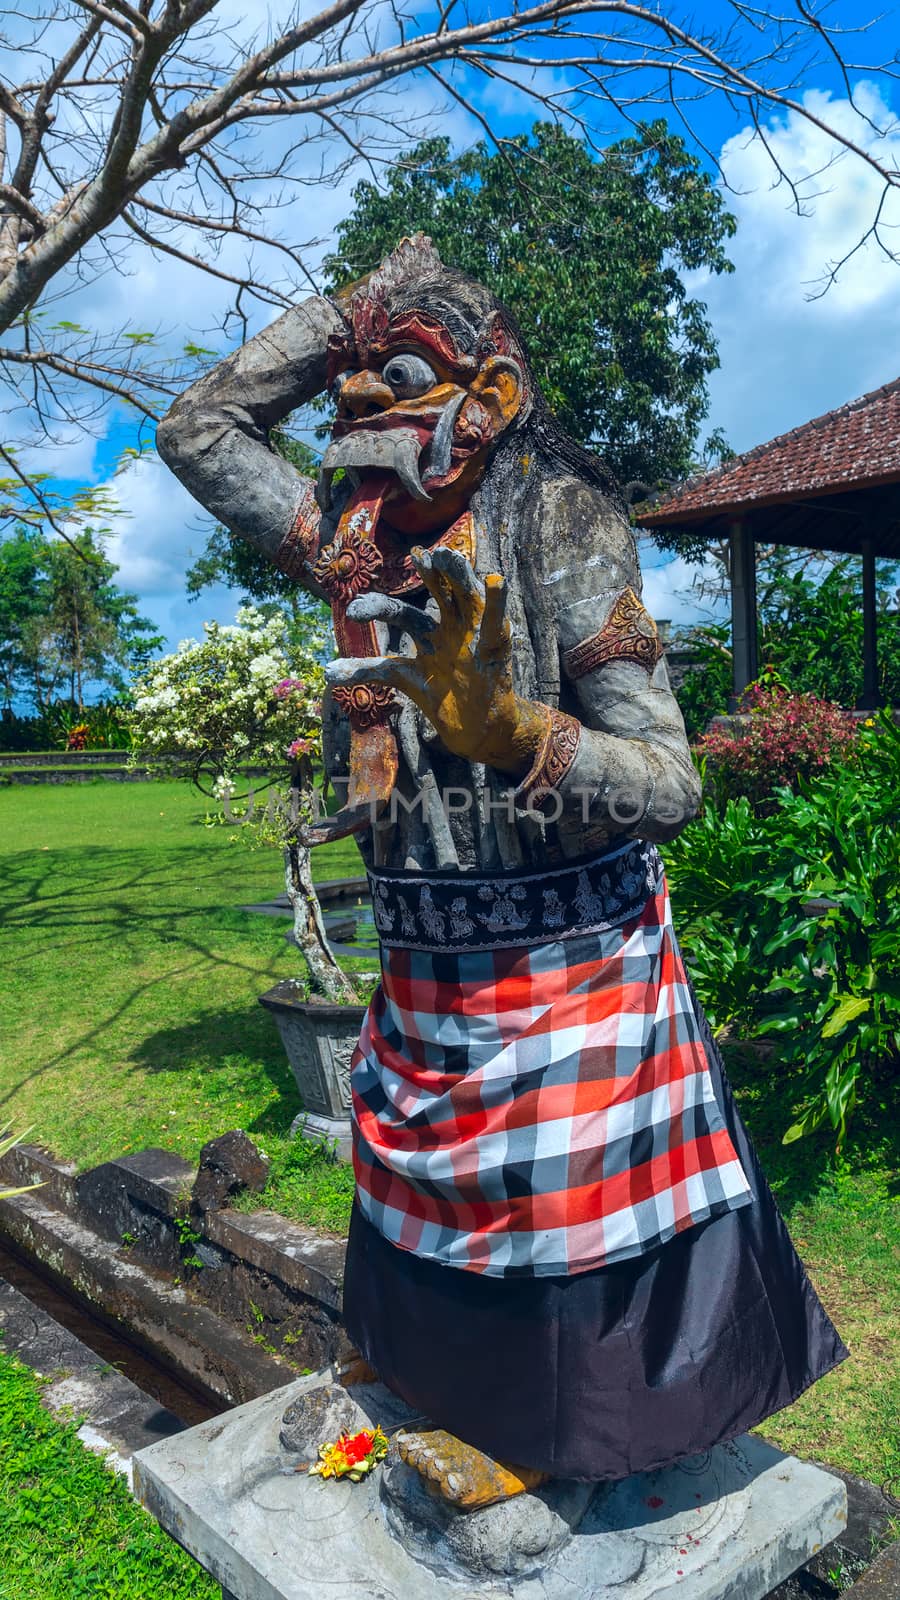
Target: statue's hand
(461,674)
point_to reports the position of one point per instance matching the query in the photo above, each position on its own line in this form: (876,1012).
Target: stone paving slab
(728,1525)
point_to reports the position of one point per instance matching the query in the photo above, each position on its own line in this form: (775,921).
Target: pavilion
(832,484)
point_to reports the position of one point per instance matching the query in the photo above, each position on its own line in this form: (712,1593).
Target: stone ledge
(209,1350)
(301,1259)
(119,1418)
(260,1272)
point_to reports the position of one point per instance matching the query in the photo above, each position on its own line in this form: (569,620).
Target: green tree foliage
(791,924)
(812,628)
(21,598)
(64,622)
(590,257)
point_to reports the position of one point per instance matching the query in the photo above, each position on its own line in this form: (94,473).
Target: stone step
(118,1417)
(157,1314)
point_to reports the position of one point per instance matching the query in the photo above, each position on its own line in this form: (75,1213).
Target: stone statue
(563,1255)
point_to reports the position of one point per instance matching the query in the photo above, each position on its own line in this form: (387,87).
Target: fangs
(396,451)
(436,458)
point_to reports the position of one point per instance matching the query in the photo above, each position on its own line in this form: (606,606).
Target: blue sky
(784,356)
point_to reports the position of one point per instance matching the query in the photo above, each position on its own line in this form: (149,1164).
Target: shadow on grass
(115,908)
(767,1098)
(217,1039)
(108,889)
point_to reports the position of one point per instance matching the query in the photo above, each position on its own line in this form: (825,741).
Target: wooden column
(871,697)
(744,626)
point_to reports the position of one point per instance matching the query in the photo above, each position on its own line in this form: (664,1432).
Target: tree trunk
(326,979)
(76,674)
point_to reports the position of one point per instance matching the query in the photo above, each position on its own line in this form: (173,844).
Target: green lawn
(128,1018)
(130,976)
(69,1529)
(844,1217)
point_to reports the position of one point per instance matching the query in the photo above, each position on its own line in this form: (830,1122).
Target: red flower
(357,1447)
(351,1455)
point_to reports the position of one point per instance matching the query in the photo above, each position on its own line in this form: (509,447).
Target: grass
(129,1019)
(844,1217)
(69,1528)
(130,977)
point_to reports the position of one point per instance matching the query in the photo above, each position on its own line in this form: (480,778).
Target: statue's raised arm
(215,438)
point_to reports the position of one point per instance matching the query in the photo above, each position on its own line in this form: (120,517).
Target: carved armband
(300,542)
(629,634)
(554,757)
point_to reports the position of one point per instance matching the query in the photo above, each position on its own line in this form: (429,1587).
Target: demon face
(418,413)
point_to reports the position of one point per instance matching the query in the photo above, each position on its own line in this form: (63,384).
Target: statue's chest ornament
(359,559)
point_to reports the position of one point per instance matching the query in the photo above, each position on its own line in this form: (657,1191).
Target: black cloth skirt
(611,1371)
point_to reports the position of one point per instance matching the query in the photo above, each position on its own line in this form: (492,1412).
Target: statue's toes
(460,1474)
(419,1452)
(416,1450)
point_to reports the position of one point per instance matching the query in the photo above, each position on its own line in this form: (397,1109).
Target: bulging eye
(408,376)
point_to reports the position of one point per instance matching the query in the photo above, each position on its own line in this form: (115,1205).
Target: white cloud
(784,356)
(672,587)
(160,532)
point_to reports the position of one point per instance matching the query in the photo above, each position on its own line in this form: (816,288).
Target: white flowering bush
(241,696)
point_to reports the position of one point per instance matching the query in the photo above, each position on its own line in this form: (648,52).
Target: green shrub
(791,923)
(106,727)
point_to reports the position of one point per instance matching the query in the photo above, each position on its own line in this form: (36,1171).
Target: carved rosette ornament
(348,567)
(365,703)
(554,757)
(629,634)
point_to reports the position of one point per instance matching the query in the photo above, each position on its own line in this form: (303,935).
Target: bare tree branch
(22,206)
(32,487)
(116,112)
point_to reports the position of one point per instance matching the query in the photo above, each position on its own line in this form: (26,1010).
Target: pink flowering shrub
(787,736)
(288,686)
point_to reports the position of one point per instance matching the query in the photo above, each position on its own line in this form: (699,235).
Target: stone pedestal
(319,1040)
(727,1525)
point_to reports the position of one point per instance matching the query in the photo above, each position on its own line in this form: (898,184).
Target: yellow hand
(461,675)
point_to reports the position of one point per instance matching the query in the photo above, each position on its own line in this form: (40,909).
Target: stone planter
(319,1040)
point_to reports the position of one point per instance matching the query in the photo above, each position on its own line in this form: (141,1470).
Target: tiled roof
(856,445)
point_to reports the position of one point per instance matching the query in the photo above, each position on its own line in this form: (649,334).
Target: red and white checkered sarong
(544,1107)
